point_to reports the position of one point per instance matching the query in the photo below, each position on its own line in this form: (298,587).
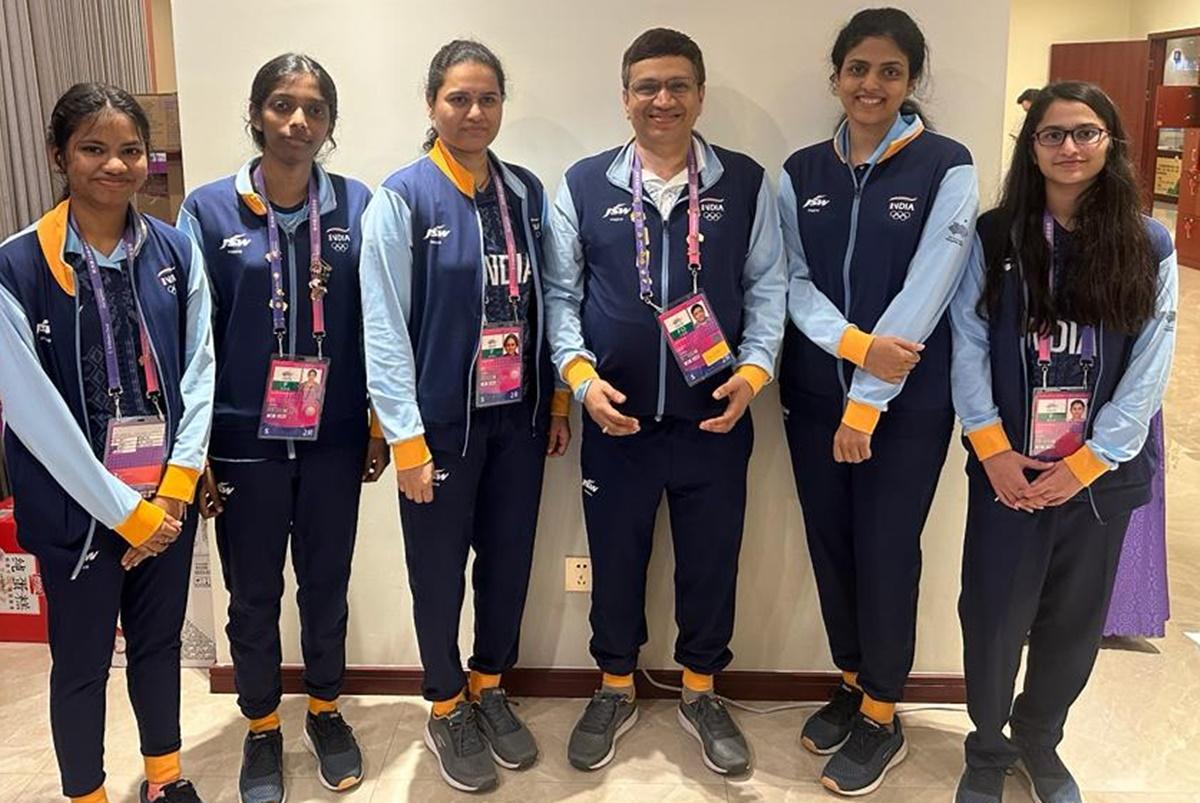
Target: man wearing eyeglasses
(640,235)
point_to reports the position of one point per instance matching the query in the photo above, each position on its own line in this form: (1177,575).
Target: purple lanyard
(318,272)
(510,244)
(1088,334)
(641,237)
(111,368)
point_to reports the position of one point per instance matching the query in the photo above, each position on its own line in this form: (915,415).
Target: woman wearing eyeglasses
(1070,295)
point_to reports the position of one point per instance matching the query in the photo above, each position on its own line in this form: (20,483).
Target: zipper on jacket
(665,281)
(855,209)
(291,240)
(535,280)
(479,334)
(1091,407)
(87,430)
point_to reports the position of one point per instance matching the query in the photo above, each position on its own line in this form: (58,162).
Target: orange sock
(444,708)
(694,681)
(97,796)
(263,724)
(880,712)
(162,770)
(851,680)
(316,706)
(477,682)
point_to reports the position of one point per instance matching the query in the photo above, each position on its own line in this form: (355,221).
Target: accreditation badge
(294,398)
(498,367)
(135,450)
(1058,421)
(695,338)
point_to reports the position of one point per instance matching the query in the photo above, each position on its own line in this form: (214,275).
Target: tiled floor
(1133,737)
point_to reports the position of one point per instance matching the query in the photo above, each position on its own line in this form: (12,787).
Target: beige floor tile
(12,785)
(522,790)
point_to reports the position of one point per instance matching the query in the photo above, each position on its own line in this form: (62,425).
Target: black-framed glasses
(1085,136)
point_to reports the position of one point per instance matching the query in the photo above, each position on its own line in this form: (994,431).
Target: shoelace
(865,739)
(600,712)
(714,717)
(495,707)
(843,706)
(464,731)
(334,734)
(265,756)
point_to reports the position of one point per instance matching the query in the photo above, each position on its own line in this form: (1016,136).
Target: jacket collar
(620,171)
(902,133)
(57,240)
(461,177)
(244,184)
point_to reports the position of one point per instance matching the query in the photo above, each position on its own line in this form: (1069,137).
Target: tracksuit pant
(486,500)
(863,524)
(703,475)
(310,502)
(151,601)
(1046,576)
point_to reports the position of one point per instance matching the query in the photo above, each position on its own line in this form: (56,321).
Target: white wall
(767,94)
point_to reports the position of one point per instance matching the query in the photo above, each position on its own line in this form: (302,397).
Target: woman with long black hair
(1069,296)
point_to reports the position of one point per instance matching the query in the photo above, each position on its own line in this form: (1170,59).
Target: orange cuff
(756,376)
(854,345)
(141,523)
(98,796)
(577,372)
(163,769)
(410,453)
(862,417)
(989,441)
(179,483)
(560,403)
(1086,465)
(376,427)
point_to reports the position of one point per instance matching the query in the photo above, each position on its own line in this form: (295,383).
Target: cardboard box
(23,615)
(163,192)
(163,112)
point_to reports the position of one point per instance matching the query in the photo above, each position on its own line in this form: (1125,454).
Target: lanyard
(318,270)
(1087,335)
(510,243)
(112,371)
(641,237)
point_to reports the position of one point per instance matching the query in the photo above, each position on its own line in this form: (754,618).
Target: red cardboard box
(22,600)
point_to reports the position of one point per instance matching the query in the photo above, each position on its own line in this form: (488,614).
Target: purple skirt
(1139,604)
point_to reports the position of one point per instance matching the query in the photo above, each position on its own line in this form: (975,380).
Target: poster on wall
(1167,170)
(199,646)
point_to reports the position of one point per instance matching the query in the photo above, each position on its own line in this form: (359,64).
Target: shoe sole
(459,785)
(690,728)
(832,786)
(612,751)
(346,784)
(811,746)
(1020,765)
(281,800)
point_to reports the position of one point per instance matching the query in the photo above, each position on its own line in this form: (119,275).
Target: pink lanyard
(510,244)
(641,236)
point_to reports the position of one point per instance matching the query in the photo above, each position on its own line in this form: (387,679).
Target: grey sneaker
(1049,779)
(722,745)
(180,791)
(331,741)
(981,785)
(825,731)
(511,743)
(261,778)
(462,754)
(594,740)
(859,766)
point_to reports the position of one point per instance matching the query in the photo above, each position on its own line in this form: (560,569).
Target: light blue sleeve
(385,278)
(933,276)
(764,283)
(971,361)
(38,415)
(564,285)
(559,382)
(1122,424)
(807,307)
(199,369)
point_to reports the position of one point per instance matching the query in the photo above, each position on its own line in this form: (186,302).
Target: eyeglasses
(1085,136)
(649,89)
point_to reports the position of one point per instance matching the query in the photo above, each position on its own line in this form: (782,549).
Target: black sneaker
(261,778)
(511,743)
(180,791)
(858,768)
(722,744)
(607,717)
(981,785)
(826,730)
(331,740)
(462,754)
(1049,779)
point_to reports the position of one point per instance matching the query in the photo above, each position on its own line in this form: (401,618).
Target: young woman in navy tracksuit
(281,239)
(877,225)
(104,328)
(452,257)
(1069,301)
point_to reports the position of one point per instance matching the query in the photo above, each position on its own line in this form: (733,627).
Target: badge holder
(135,449)
(294,398)
(695,338)
(498,369)
(1058,421)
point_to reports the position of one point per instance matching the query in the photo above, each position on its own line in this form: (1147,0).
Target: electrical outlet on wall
(579,573)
